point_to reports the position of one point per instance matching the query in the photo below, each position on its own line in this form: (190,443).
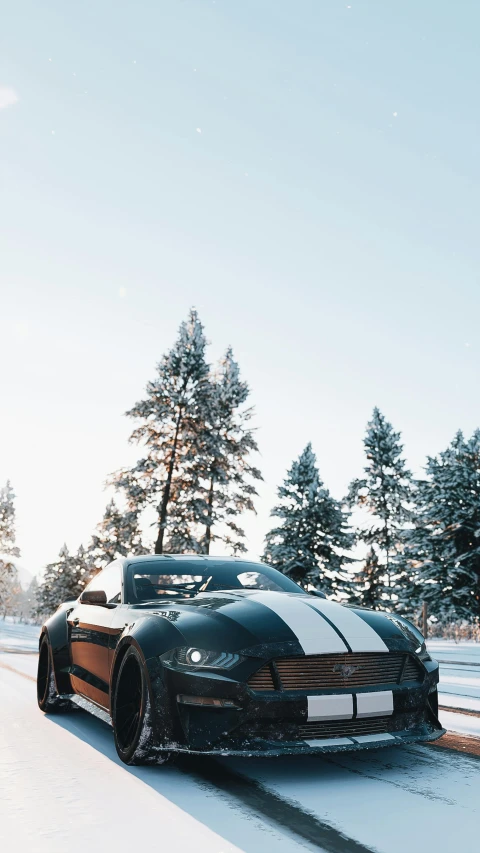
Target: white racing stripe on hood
(314,634)
(360,636)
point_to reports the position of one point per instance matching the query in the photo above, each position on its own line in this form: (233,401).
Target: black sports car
(224,656)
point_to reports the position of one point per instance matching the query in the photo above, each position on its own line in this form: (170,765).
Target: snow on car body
(213,655)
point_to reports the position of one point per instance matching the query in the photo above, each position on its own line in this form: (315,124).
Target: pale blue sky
(324,222)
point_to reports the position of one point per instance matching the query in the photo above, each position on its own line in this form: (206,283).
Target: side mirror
(317,593)
(93,596)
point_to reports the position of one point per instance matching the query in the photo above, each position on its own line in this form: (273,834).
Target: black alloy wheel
(47,697)
(128,704)
(43,674)
(132,716)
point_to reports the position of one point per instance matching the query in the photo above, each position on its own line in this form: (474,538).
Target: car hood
(249,620)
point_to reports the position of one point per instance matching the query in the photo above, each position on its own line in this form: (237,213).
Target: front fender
(151,636)
(155,635)
(56,629)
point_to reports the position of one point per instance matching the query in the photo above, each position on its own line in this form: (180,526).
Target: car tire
(135,740)
(47,697)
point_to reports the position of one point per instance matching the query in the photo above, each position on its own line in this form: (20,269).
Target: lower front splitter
(270,749)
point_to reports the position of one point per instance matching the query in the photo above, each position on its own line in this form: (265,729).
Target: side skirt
(88,705)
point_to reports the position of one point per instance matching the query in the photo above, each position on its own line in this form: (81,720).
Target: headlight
(422,652)
(411,633)
(193,658)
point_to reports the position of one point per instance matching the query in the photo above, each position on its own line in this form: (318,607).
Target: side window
(110,580)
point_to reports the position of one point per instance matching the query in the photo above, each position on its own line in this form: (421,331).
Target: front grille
(287,730)
(325,672)
(344,728)
(262,679)
(411,671)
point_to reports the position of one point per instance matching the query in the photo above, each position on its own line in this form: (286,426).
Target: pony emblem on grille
(346,669)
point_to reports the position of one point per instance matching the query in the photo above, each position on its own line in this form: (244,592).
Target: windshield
(153,580)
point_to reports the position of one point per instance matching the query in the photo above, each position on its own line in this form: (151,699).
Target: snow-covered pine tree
(7,521)
(366,588)
(63,580)
(8,546)
(31,599)
(10,591)
(443,550)
(385,495)
(19,602)
(225,477)
(311,542)
(117,535)
(168,424)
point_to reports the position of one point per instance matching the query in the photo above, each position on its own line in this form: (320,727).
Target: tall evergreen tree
(19,602)
(117,535)
(10,591)
(8,546)
(64,580)
(168,424)
(7,521)
(31,599)
(224,476)
(442,554)
(310,543)
(385,496)
(366,588)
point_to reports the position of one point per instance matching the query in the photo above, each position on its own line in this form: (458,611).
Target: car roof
(191,558)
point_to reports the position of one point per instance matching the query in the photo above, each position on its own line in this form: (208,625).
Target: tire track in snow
(267,804)
(369,772)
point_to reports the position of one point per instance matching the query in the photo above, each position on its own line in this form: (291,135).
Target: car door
(90,628)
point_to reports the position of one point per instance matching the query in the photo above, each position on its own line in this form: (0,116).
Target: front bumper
(276,722)
(265,749)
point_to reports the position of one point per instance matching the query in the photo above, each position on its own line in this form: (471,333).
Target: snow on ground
(391,800)
(459,683)
(62,787)
(464,724)
(467,703)
(465,650)
(455,682)
(15,636)
(23,663)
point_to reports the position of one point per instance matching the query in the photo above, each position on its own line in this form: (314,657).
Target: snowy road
(61,786)
(459,674)
(16,637)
